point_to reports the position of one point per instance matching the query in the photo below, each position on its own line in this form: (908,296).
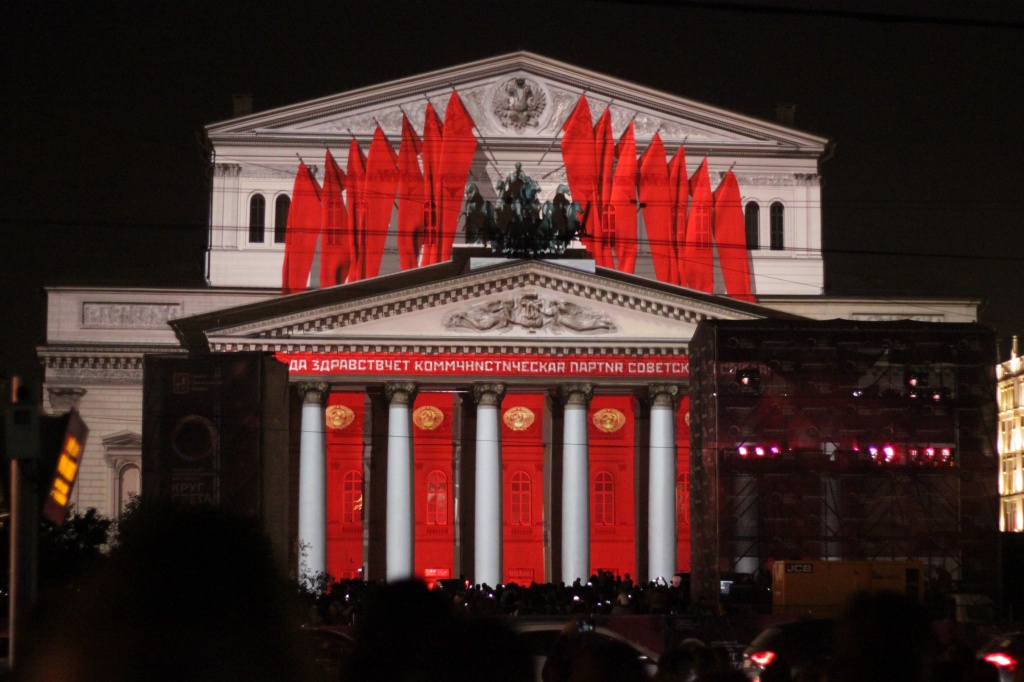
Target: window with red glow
(352,497)
(683,500)
(609,223)
(702,236)
(522,499)
(437,499)
(430,221)
(604,499)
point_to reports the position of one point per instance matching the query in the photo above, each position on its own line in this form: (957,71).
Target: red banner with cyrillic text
(412,364)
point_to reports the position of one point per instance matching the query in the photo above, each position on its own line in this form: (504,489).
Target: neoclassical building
(1010,442)
(453,408)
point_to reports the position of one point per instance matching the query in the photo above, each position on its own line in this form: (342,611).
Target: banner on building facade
(413,364)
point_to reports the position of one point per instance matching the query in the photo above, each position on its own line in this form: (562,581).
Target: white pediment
(515,96)
(523,304)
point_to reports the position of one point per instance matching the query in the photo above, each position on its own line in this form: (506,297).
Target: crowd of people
(193,594)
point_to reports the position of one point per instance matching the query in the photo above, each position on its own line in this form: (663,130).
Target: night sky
(104,176)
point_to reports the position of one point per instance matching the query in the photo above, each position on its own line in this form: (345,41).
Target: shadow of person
(188,593)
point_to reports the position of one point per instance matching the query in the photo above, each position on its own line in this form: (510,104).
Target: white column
(661,511)
(488,531)
(399,554)
(575,483)
(312,482)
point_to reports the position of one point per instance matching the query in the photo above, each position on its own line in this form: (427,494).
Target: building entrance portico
(470,481)
(509,420)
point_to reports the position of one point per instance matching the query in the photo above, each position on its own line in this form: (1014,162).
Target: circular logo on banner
(339,417)
(427,418)
(518,418)
(609,420)
(194,438)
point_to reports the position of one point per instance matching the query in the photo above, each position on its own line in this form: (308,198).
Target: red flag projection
(657,207)
(301,232)
(623,200)
(611,423)
(604,144)
(579,155)
(458,145)
(344,421)
(522,485)
(434,486)
(698,256)
(679,184)
(334,253)
(379,189)
(683,484)
(432,135)
(731,239)
(356,212)
(410,198)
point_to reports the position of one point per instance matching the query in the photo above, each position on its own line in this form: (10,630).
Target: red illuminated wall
(345,412)
(522,454)
(433,488)
(612,504)
(683,485)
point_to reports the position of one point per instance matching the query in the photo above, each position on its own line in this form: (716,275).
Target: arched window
(257,218)
(702,224)
(752,221)
(437,499)
(281,207)
(777,227)
(129,485)
(683,500)
(604,499)
(352,497)
(521,499)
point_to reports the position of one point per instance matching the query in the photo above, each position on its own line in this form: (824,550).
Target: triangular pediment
(515,97)
(528,305)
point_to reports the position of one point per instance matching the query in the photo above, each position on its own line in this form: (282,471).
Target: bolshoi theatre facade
(452,408)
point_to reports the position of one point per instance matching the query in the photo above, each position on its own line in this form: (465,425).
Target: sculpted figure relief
(531,312)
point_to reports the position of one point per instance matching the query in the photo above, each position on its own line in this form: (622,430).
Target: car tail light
(1001,660)
(763,658)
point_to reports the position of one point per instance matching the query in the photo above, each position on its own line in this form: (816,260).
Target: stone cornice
(470,287)
(88,364)
(613,347)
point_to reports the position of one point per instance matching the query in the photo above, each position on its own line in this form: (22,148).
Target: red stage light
(743,451)
(759,451)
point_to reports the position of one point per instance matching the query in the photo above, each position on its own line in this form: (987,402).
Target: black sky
(102,105)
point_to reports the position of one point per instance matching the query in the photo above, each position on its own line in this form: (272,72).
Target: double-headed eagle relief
(530,312)
(519,103)
(518,224)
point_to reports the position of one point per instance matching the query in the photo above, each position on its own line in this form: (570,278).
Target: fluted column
(399,554)
(661,511)
(312,481)
(488,533)
(575,483)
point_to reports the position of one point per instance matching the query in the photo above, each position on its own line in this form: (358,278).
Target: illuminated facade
(1010,442)
(471,413)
